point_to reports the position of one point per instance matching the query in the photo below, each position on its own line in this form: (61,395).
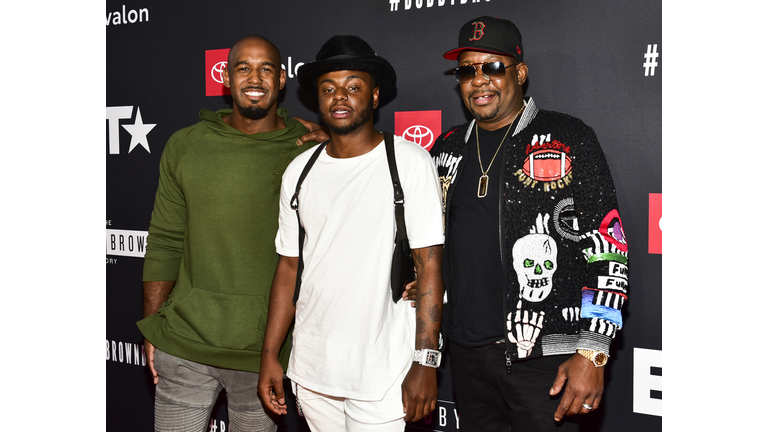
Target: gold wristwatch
(598,358)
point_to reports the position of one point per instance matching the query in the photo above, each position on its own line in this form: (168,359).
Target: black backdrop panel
(598,60)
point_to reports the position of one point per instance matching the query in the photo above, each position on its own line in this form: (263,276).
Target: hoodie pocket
(232,321)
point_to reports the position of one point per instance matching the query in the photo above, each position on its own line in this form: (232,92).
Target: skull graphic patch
(534,258)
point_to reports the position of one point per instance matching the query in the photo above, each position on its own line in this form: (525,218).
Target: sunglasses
(492,71)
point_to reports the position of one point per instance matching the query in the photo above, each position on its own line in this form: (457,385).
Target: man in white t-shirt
(359,360)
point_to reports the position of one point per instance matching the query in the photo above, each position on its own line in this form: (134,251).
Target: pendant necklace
(482,185)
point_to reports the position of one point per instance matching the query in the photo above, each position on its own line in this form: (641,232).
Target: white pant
(335,414)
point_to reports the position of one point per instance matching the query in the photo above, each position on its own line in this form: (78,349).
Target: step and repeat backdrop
(598,60)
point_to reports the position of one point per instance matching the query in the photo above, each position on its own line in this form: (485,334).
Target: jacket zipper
(507,357)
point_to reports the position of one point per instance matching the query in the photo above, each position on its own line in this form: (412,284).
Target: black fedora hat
(347,53)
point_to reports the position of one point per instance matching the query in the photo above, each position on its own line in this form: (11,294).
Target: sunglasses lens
(493,70)
(464,73)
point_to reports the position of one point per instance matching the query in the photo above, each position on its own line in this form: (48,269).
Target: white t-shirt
(350,339)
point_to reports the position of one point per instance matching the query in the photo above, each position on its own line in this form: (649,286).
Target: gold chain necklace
(482,185)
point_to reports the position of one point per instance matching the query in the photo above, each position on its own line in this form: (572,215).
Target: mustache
(485,91)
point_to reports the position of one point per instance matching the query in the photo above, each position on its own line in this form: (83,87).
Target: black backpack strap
(295,206)
(389,144)
(401,235)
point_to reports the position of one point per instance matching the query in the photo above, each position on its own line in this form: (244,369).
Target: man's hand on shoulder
(411,293)
(419,392)
(583,383)
(316,132)
(270,386)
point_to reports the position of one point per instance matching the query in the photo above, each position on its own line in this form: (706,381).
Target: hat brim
(376,66)
(454,53)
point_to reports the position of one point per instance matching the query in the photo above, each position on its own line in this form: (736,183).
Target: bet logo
(420,135)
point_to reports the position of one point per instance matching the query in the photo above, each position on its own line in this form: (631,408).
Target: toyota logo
(421,135)
(216,71)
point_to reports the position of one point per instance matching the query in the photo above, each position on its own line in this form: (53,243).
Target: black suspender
(295,206)
(402,261)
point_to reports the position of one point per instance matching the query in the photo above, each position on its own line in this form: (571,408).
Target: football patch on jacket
(547,160)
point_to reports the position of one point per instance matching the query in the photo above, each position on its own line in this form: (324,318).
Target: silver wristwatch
(428,357)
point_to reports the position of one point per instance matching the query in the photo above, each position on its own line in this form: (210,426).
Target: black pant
(489,400)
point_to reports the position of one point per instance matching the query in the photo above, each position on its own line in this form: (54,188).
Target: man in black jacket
(535,262)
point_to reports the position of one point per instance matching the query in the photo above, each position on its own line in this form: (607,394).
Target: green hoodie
(212,231)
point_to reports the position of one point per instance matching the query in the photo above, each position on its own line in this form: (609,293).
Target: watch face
(428,357)
(601,359)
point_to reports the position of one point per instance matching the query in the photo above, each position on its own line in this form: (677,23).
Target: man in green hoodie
(210,251)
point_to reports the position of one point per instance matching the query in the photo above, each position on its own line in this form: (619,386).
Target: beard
(253,112)
(363,118)
(488,115)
